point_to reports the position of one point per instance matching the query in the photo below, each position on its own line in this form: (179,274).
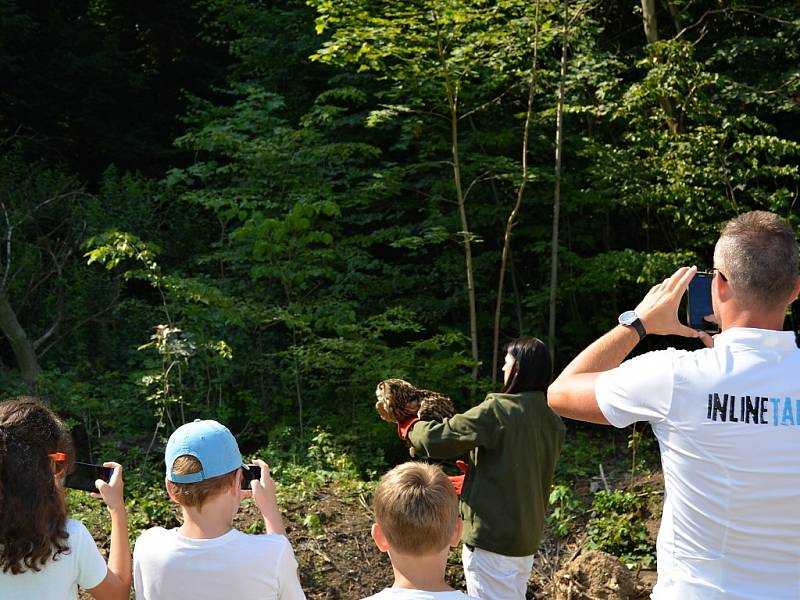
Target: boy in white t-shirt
(206,558)
(416,523)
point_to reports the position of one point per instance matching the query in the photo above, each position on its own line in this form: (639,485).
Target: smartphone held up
(698,303)
(250,472)
(84,475)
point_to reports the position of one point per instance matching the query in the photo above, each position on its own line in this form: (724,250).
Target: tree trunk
(551,330)
(650,24)
(452,102)
(520,193)
(649,21)
(462,213)
(22,347)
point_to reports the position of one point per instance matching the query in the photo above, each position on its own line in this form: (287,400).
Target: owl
(399,400)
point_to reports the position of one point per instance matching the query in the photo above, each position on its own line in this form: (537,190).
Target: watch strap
(630,319)
(639,327)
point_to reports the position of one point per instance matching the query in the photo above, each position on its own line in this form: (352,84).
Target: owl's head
(389,388)
(393,397)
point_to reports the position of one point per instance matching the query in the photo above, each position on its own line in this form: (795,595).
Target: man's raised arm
(572,393)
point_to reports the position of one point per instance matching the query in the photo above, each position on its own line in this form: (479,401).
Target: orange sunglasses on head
(59,458)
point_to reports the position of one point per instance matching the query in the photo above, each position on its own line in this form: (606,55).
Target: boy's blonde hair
(196,494)
(416,508)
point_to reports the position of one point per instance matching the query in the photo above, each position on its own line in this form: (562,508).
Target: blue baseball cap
(209,442)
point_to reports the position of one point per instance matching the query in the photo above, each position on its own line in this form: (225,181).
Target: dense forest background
(256,210)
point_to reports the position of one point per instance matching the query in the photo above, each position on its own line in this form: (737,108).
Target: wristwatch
(630,319)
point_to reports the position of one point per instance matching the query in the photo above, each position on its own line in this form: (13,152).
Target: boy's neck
(215,519)
(420,572)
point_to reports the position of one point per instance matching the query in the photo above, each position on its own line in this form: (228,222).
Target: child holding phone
(206,558)
(43,554)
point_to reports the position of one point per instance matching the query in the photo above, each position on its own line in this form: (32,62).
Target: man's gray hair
(757,253)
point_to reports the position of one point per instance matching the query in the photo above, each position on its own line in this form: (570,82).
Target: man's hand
(658,310)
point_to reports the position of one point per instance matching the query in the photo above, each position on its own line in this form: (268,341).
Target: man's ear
(380,540)
(722,286)
(455,539)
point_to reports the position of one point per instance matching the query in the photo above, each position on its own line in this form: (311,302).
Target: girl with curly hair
(43,554)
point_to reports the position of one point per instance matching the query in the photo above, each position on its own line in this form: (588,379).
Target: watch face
(628,317)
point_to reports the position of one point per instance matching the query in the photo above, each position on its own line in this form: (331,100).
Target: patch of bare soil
(335,551)
(595,574)
(561,562)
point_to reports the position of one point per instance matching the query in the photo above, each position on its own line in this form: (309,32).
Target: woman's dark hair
(33,516)
(533,368)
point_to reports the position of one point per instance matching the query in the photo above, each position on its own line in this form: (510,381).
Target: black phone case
(250,473)
(85,474)
(698,303)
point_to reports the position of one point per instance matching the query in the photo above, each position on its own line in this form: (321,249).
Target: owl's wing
(436,408)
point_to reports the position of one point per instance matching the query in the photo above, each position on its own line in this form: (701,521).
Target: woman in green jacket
(513,440)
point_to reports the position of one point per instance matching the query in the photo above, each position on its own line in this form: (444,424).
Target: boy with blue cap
(206,557)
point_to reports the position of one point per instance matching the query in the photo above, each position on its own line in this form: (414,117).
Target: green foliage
(584,449)
(566,507)
(643,449)
(312,522)
(113,247)
(617,526)
(721,159)
(300,470)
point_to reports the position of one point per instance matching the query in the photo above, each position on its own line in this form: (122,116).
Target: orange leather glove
(458,480)
(403,427)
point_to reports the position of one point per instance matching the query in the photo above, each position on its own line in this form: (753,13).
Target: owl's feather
(398,400)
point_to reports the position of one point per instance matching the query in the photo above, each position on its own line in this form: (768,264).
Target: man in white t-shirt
(727,417)
(206,558)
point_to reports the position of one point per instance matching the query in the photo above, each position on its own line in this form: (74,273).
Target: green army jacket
(513,442)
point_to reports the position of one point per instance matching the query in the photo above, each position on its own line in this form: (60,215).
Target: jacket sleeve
(479,426)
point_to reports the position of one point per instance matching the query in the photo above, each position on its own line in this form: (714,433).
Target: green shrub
(618,527)
(565,508)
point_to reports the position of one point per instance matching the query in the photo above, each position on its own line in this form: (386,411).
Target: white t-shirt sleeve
(92,569)
(288,578)
(640,389)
